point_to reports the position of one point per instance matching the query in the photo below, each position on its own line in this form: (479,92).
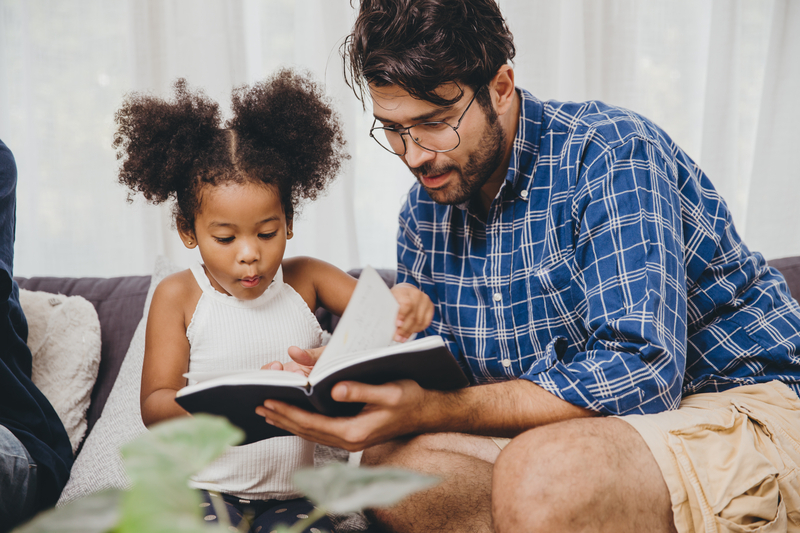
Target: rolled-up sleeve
(630,267)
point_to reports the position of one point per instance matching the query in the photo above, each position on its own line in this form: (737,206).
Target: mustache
(427,169)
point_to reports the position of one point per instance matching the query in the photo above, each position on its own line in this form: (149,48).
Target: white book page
(253,377)
(345,360)
(369,321)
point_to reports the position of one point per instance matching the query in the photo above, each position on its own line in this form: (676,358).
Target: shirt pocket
(551,305)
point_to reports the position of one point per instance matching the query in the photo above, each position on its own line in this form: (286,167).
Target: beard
(480,165)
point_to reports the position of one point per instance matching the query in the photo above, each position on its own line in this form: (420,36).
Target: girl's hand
(302,362)
(415,313)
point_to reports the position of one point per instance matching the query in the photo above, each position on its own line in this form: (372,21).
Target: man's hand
(415,313)
(302,361)
(391,410)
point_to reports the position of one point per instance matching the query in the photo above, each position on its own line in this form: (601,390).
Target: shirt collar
(526,144)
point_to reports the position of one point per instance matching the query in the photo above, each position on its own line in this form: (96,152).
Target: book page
(368,322)
(205,380)
(348,359)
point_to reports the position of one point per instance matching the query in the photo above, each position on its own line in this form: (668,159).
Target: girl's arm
(323,285)
(166,352)
(319,283)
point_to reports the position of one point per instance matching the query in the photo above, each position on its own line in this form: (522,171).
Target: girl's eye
(267,236)
(224,240)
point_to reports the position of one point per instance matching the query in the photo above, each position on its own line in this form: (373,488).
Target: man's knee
(578,474)
(525,477)
(414,451)
(382,454)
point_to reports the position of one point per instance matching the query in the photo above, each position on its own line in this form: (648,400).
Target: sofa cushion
(119,303)
(790,268)
(99,463)
(64,339)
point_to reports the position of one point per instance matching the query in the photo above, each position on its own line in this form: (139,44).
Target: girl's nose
(248,252)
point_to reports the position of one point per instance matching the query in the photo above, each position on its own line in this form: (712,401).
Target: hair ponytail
(288,135)
(162,145)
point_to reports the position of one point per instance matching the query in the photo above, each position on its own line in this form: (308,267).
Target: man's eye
(267,236)
(224,240)
(432,126)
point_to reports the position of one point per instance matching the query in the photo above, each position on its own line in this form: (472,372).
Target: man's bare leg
(460,503)
(581,475)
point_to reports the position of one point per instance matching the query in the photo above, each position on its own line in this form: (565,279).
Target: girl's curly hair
(283,133)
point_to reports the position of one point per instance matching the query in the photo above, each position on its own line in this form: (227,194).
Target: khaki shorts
(730,459)
(500,441)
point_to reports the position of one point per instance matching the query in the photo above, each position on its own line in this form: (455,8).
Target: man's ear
(502,89)
(188,237)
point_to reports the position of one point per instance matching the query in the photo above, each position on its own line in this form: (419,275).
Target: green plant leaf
(343,489)
(159,464)
(187,443)
(96,513)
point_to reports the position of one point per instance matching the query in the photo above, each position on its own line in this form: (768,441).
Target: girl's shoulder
(307,270)
(319,283)
(178,287)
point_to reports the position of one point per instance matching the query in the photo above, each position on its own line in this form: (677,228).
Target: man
(35,452)
(588,277)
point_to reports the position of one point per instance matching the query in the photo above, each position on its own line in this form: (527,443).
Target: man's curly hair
(283,133)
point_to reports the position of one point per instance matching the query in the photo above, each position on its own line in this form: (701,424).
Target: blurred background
(722,77)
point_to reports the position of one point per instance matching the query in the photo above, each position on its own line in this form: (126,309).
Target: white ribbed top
(231,334)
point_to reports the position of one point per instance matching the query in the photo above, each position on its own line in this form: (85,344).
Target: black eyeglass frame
(405,131)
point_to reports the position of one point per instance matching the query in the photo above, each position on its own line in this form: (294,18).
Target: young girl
(236,190)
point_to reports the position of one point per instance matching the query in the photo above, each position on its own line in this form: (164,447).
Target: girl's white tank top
(227,333)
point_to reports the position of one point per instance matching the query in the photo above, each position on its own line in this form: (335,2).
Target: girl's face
(241,231)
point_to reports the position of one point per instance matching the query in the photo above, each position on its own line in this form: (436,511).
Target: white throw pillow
(99,465)
(64,338)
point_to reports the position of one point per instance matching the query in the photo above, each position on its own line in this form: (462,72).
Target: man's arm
(403,408)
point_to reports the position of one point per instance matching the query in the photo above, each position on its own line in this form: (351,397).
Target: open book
(360,349)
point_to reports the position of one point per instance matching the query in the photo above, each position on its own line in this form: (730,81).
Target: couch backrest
(119,303)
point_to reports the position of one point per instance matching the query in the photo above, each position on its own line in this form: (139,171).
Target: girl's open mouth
(250,282)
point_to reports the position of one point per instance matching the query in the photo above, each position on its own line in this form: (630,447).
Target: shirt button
(523,193)
(498,297)
(506,362)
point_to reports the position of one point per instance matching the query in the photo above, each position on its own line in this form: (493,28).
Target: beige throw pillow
(64,338)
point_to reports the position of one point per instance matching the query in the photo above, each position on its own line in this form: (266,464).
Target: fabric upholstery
(64,339)
(790,268)
(99,463)
(119,303)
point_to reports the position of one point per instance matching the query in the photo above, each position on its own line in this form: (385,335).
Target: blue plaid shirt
(608,270)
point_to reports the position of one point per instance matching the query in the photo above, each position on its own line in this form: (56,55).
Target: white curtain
(721,76)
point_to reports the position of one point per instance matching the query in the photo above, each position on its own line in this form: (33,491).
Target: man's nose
(416,155)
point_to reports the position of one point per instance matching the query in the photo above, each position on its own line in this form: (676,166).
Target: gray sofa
(120,302)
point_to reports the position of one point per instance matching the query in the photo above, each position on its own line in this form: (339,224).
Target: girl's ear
(188,238)
(289,232)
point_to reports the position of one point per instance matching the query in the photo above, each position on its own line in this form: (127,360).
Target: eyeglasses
(434,136)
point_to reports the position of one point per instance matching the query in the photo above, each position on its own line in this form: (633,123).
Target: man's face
(449,177)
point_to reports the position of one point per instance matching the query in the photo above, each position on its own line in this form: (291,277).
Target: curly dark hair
(283,133)
(420,44)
